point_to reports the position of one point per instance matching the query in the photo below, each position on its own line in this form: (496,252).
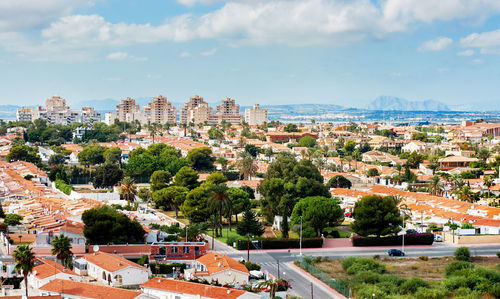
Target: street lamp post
(186,230)
(404,233)
(300,235)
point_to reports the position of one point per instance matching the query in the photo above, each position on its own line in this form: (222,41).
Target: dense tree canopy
(158,156)
(252,150)
(287,181)
(376,215)
(186,177)
(112,155)
(317,213)
(196,205)
(291,128)
(339,181)
(24,153)
(307,141)
(201,159)
(107,175)
(105,224)
(173,196)
(92,155)
(160,179)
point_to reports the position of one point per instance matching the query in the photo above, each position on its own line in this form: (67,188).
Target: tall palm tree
(61,248)
(213,221)
(435,186)
(217,203)
(25,262)
(246,165)
(127,189)
(488,182)
(465,194)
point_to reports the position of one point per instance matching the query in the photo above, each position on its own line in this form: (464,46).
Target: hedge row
(410,239)
(268,243)
(61,185)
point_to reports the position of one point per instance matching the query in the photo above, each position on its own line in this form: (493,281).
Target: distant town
(160,202)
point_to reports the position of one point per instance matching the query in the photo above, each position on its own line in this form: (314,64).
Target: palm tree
(127,189)
(213,221)
(246,165)
(218,201)
(488,182)
(435,186)
(25,262)
(465,194)
(61,248)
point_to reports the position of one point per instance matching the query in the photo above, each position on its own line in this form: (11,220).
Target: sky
(344,52)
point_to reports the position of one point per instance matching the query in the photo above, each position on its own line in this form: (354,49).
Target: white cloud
(124,56)
(437,44)
(25,14)
(477,61)
(185,55)
(487,42)
(238,22)
(467,52)
(209,52)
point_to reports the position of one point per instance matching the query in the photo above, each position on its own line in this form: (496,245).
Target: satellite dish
(96,248)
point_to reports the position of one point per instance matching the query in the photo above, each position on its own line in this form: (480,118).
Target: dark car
(411,231)
(395,252)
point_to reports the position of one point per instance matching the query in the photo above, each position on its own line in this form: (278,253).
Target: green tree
(128,191)
(218,202)
(435,186)
(105,224)
(196,205)
(414,160)
(488,182)
(287,181)
(92,155)
(2,213)
(160,179)
(318,213)
(25,262)
(61,248)
(144,193)
(112,155)
(252,150)
(249,226)
(349,147)
(186,177)
(223,162)
(339,181)
(376,215)
(215,134)
(307,141)
(246,165)
(107,175)
(216,178)
(372,172)
(291,128)
(57,159)
(173,196)
(12,219)
(201,159)
(240,201)
(23,153)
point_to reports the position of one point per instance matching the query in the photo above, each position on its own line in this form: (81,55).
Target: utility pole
(312,292)
(300,235)
(278,268)
(186,230)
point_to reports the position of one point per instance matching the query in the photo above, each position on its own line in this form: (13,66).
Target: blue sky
(255,51)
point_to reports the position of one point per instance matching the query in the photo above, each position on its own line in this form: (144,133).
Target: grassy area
(226,233)
(417,277)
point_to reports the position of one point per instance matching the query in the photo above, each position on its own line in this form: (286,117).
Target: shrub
(455,266)
(498,254)
(424,258)
(412,285)
(251,266)
(367,277)
(143,260)
(166,268)
(466,293)
(376,257)
(346,263)
(462,254)
(392,279)
(369,291)
(365,264)
(410,239)
(388,287)
(230,240)
(455,282)
(428,293)
(61,185)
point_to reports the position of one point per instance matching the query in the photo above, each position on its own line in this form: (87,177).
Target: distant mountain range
(389,103)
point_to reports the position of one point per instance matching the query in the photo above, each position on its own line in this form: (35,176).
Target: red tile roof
(47,268)
(110,262)
(87,290)
(216,262)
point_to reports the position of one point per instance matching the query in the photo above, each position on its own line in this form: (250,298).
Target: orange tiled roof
(185,287)
(110,262)
(46,268)
(215,262)
(87,290)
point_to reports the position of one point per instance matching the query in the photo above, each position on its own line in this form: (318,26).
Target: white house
(415,146)
(220,268)
(163,288)
(46,270)
(113,269)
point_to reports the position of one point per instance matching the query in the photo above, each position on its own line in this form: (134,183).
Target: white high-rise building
(256,116)
(56,112)
(160,111)
(128,111)
(196,111)
(90,115)
(227,111)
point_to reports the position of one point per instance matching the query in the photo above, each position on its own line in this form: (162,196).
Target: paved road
(301,284)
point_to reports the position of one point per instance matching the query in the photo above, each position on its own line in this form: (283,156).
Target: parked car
(438,238)
(411,231)
(395,252)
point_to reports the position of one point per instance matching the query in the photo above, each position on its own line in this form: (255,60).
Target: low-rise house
(415,146)
(80,290)
(46,270)
(114,269)
(451,162)
(163,288)
(218,268)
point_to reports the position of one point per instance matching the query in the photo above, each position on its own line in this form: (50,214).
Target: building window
(186,249)
(174,249)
